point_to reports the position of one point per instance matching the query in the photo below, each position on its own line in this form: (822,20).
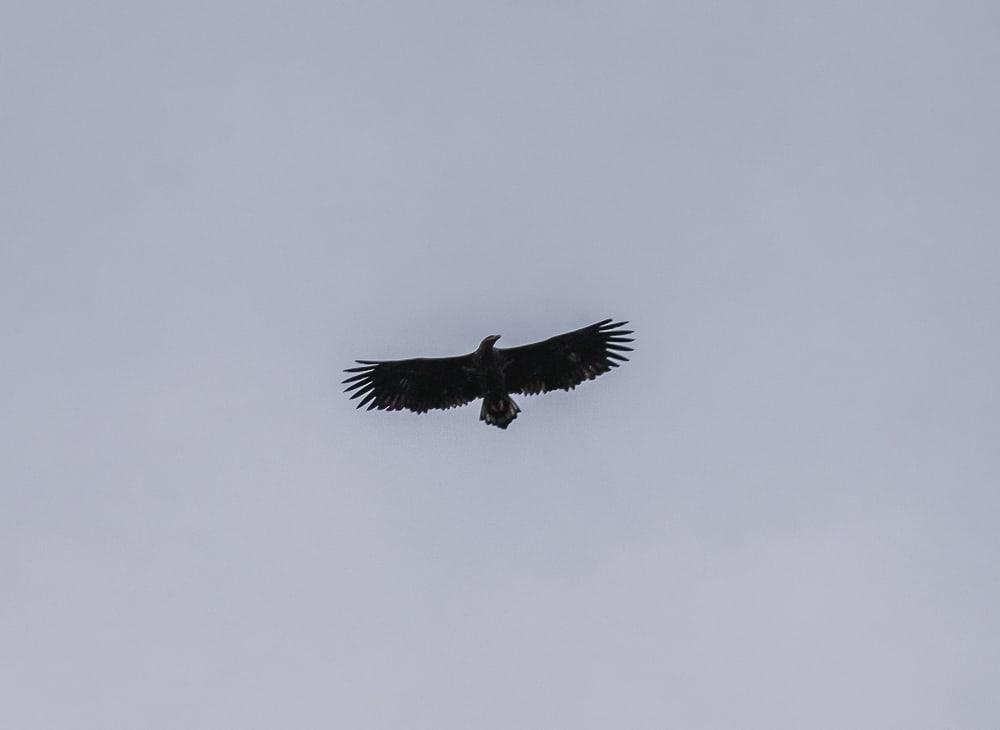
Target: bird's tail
(498,410)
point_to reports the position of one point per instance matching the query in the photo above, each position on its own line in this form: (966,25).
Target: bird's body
(488,367)
(490,373)
(498,409)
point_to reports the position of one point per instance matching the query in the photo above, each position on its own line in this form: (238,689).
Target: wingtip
(607,325)
(362,390)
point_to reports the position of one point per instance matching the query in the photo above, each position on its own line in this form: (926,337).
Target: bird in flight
(491,373)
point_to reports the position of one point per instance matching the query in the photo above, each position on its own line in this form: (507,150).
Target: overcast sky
(783,513)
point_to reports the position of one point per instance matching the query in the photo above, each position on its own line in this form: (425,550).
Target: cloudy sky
(781,514)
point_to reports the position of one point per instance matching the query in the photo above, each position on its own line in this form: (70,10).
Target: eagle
(491,373)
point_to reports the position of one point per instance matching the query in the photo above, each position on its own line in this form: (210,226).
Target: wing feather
(564,361)
(419,384)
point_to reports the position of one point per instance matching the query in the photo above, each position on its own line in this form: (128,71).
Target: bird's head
(488,342)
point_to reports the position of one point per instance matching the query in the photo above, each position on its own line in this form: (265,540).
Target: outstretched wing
(418,385)
(565,361)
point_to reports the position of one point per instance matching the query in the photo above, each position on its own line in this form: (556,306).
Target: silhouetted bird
(490,373)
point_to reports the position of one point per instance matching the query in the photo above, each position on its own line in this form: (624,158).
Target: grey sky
(781,514)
